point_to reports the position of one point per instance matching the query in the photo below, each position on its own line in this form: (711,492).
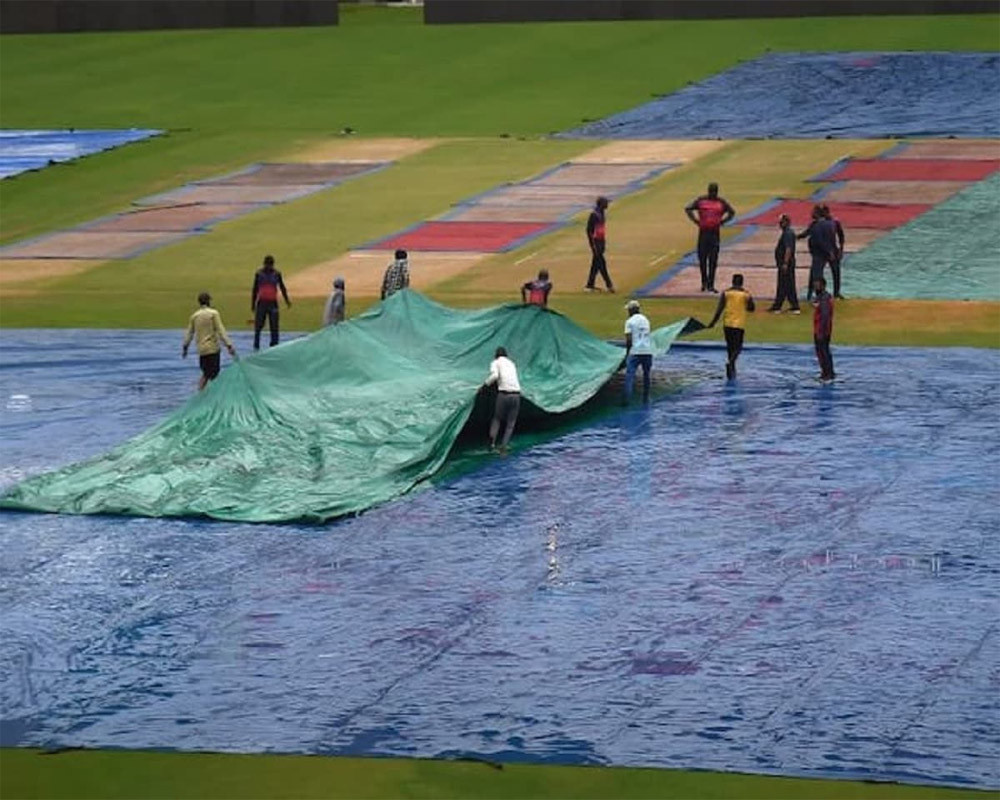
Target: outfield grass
(129,774)
(231,97)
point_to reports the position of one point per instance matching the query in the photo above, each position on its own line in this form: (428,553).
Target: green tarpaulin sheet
(336,422)
(948,253)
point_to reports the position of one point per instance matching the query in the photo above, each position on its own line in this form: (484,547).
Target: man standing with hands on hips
(709,212)
(638,350)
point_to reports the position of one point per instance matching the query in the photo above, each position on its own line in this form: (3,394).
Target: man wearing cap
(333,312)
(734,303)
(206,328)
(397,275)
(596,236)
(784,259)
(709,212)
(638,350)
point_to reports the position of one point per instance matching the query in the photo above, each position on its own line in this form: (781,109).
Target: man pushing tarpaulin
(335,422)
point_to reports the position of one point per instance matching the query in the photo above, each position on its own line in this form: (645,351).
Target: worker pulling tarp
(336,422)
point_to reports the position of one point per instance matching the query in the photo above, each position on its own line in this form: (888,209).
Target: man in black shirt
(784,259)
(822,246)
(838,231)
(596,238)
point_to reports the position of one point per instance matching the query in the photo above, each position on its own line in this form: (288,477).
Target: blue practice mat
(824,95)
(26,150)
(771,576)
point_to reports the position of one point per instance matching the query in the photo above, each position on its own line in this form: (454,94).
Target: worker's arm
(187,338)
(689,210)
(728,212)
(494,375)
(284,291)
(524,292)
(253,292)
(751,306)
(406,277)
(385,282)
(718,310)
(806,232)
(220,329)
(840,236)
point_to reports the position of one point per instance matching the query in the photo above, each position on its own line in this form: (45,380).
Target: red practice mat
(851,215)
(914,169)
(481,237)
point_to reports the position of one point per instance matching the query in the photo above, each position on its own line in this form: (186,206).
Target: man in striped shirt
(397,275)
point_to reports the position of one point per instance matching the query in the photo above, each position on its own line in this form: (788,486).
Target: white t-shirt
(504,374)
(638,326)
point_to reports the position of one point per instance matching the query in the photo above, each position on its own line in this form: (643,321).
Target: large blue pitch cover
(821,95)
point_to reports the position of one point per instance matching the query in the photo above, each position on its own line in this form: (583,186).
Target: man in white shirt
(504,374)
(638,350)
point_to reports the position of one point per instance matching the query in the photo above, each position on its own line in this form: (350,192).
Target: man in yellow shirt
(734,303)
(206,328)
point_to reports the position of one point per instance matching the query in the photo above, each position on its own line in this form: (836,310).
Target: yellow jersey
(734,314)
(206,329)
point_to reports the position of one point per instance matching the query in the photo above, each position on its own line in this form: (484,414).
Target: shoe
(794,311)
(713,290)
(840,297)
(611,289)
(774,310)
(730,372)
(588,288)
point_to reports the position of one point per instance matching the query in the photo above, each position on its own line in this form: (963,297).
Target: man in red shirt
(823,328)
(709,212)
(536,292)
(267,283)
(596,237)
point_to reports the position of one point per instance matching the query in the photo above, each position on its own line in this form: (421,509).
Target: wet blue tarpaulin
(819,95)
(767,576)
(26,150)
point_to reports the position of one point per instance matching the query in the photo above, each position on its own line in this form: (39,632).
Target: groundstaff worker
(503,373)
(638,350)
(734,303)
(206,328)
(709,212)
(267,283)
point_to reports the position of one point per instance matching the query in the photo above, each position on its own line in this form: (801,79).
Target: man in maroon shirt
(823,328)
(709,212)
(596,238)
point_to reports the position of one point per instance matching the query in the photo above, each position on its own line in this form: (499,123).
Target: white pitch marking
(530,255)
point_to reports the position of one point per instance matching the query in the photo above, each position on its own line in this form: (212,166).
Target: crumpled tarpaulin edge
(172,469)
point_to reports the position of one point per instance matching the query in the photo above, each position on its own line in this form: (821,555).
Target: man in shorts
(734,303)
(206,328)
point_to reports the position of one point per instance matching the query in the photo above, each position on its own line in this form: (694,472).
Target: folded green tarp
(336,422)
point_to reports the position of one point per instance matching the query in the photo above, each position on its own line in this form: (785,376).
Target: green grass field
(229,98)
(118,775)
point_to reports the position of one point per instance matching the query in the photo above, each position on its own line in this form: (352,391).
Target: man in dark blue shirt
(822,246)
(784,260)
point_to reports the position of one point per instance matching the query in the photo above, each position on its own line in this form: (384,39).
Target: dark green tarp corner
(336,422)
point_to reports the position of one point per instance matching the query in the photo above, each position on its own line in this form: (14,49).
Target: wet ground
(770,576)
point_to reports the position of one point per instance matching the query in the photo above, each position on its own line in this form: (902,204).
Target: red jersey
(823,316)
(710,211)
